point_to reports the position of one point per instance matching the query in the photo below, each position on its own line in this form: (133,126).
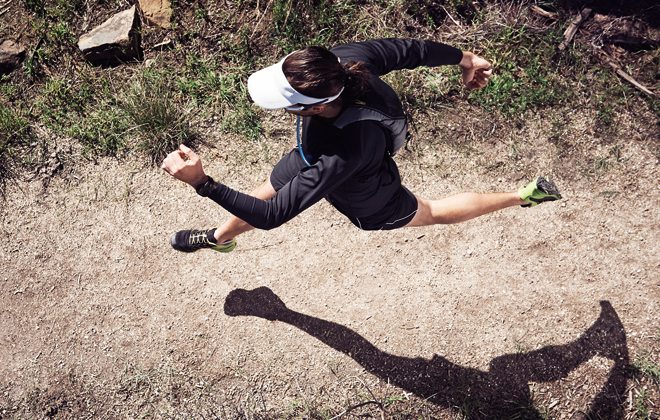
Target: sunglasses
(301,107)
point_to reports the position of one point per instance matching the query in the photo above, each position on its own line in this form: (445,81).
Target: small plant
(296,24)
(393,399)
(32,64)
(35,6)
(60,32)
(605,112)
(644,366)
(63,99)
(158,121)
(641,408)
(102,131)
(603,163)
(14,136)
(200,81)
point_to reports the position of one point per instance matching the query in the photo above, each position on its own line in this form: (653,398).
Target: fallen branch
(573,27)
(622,74)
(628,78)
(254,31)
(543,13)
(356,406)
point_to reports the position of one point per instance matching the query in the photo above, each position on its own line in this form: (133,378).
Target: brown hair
(316,72)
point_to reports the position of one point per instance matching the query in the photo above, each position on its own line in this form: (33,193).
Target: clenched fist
(476,70)
(184,165)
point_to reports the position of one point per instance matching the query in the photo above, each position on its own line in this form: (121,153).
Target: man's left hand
(184,165)
(476,70)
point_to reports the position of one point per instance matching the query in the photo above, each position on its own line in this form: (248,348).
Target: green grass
(155,116)
(220,90)
(53,27)
(524,77)
(297,24)
(14,138)
(62,100)
(103,131)
(200,80)
(204,77)
(644,370)
(644,366)
(642,411)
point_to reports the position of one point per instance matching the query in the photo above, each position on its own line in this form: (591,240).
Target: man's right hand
(476,70)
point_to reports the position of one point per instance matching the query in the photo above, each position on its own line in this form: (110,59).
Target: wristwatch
(204,189)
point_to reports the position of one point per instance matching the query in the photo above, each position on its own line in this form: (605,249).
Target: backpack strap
(397,127)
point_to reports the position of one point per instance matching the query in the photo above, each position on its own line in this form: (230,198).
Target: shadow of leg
(502,392)
(606,338)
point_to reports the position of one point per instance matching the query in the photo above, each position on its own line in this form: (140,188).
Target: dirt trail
(95,304)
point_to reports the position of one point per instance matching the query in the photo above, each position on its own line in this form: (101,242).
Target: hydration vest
(397,127)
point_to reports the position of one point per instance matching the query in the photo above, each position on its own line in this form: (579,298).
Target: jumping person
(352,124)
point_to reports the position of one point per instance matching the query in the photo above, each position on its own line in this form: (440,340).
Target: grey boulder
(11,55)
(115,41)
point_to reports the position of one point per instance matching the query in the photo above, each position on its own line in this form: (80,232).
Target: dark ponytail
(316,72)
(356,82)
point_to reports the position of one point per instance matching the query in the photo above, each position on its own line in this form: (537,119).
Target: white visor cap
(270,89)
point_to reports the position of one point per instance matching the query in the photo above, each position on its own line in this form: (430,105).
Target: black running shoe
(191,240)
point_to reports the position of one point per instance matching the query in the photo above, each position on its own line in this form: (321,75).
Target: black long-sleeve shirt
(351,166)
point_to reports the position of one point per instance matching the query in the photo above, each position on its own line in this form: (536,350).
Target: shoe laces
(197,238)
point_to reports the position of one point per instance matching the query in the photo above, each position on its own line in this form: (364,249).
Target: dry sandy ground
(526,313)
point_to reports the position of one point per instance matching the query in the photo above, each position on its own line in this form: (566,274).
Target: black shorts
(286,169)
(398,212)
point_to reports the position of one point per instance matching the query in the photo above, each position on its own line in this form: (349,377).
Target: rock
(11,55)
(115,41)
(158,12)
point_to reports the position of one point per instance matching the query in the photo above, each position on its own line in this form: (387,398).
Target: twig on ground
(622,74)
(260,247)
(450,17)
(356,406)
(261,18)
(573,27)
(628,78)
(630,399)
(4,11)
(544,13)
(380,404)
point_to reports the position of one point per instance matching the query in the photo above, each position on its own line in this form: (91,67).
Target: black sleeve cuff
(442,54)
(204,189)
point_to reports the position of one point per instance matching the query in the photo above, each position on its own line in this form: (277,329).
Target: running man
(352,124)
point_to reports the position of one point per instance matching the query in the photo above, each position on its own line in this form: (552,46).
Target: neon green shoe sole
(539,191)
(225,246)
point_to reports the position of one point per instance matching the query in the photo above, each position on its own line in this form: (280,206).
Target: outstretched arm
(385,55)
(305,189)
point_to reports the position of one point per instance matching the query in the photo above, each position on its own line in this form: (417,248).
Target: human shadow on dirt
(500,392)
